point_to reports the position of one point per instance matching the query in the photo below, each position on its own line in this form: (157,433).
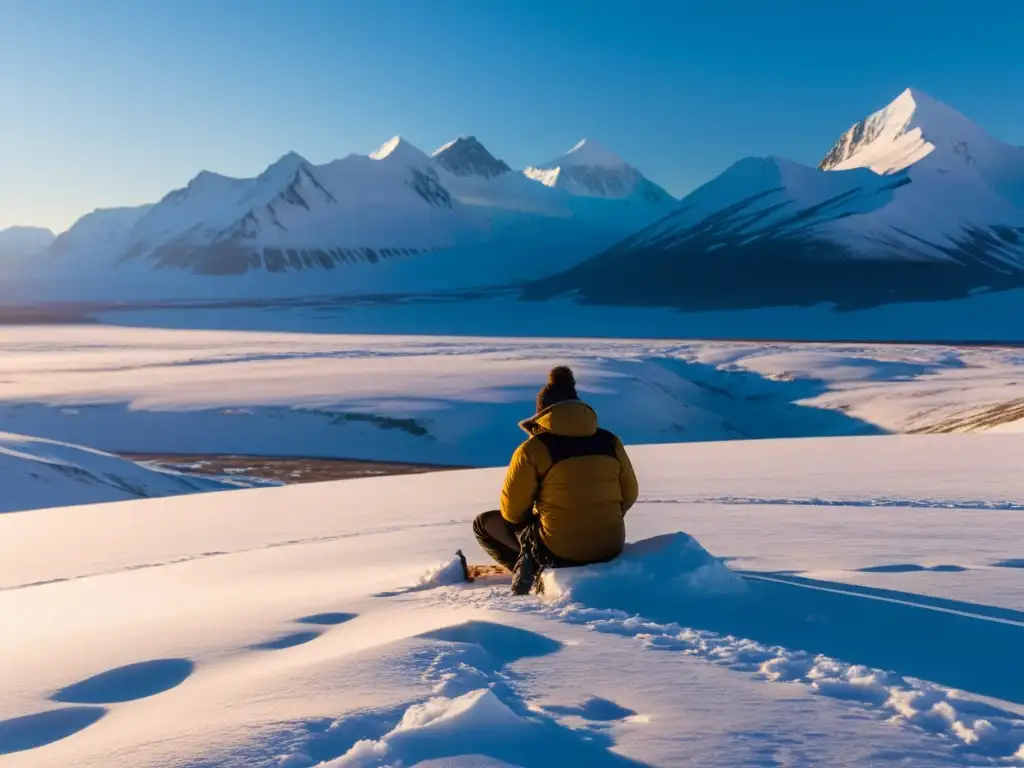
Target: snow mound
(475,709)
(671,566)
(427,730)
(47,473)
(475,723)
(442,574)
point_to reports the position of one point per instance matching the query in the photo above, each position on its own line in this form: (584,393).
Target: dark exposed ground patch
(985,418)
(284,469)
(58,314)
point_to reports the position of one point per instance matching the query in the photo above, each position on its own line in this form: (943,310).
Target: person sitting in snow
(566,492)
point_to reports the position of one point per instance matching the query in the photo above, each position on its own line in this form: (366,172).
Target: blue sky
(115,102)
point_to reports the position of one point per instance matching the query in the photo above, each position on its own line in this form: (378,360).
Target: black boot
(530,565)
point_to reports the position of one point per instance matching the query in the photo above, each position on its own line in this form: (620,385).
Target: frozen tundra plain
(852,598)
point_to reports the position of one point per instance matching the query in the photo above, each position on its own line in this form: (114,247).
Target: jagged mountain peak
(397,148)
(285,167)
(465,141)
(587,152)
(466,156)
(209,180)
(902,133)
(590,170)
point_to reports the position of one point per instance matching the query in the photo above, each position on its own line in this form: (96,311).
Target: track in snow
(925,662)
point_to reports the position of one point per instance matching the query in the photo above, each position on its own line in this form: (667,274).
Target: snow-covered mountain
(590,170)
(295,216)
(361,210)
(466,156)
(19,242)
(98,234)
(914,203)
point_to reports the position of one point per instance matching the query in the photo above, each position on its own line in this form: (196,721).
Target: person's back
(571,479)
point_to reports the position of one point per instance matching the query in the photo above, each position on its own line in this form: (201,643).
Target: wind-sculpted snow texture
(915,203)
(320,625)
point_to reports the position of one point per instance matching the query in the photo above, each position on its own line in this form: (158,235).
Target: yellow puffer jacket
(576,478)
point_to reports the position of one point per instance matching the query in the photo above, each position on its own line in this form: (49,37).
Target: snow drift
(671,567)
(47,473)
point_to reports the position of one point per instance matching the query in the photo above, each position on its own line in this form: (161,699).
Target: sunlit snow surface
(841,602)
(456,401)
(47,473)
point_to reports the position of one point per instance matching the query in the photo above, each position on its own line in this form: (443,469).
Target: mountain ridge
(295,216)
(913,203)
(24,242)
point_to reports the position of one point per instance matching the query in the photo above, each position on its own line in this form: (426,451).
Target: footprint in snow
(37,730)
(503,641)
(286,641)
(293,639)
(594,709)
(128,683)
(1016,562)
(912,568)
(327,619)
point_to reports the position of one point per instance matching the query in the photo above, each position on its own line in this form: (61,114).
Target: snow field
(389,398)
(296,626)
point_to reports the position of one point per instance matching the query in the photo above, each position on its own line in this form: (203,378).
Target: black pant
(497,537)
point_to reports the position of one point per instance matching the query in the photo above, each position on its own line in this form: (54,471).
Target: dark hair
(561,386)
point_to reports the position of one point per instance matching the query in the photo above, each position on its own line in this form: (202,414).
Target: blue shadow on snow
(37,730)
(128,683)
(962,645)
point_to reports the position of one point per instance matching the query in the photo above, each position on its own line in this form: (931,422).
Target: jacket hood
(570,418)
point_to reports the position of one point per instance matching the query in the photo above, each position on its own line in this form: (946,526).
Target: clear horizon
(113,103)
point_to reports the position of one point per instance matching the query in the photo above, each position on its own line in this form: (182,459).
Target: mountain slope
(346,217)
(914,203)
(590,170)
(295,216)
(96,237)
(24,242)
(915,127)
(466,156)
